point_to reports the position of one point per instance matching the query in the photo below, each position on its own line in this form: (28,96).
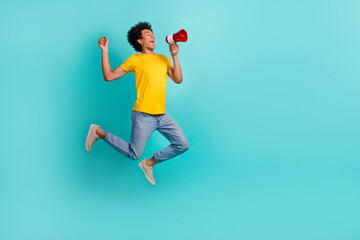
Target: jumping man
(148,114)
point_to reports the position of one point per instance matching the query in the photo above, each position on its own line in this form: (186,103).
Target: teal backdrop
(269,104)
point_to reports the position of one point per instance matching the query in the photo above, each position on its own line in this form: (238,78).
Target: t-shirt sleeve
(127,65)
(168,62)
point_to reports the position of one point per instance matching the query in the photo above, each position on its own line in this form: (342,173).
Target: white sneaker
(91,137)
(148,170)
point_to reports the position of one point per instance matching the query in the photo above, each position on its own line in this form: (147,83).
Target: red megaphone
(180,36)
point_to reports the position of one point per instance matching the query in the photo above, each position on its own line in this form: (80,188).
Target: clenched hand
(103,43)
(174,49)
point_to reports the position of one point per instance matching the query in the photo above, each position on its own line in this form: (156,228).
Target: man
(148,114)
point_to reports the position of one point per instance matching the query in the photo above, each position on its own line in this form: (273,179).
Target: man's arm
(175,72)
(108,74)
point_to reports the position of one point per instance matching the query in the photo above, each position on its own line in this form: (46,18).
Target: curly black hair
(135,33)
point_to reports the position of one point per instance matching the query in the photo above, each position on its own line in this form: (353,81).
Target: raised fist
(103,43)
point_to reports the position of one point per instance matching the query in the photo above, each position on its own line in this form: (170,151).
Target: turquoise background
(269,104)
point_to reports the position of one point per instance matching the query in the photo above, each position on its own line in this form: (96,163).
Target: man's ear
(140,41)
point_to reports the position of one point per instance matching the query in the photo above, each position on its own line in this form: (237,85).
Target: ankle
(150,161)
(101,133)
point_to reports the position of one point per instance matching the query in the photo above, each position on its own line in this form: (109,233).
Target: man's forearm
(106,65)
(177,70)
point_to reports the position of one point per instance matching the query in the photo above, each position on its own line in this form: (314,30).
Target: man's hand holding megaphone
(175,72)
(180,36)
(174,49)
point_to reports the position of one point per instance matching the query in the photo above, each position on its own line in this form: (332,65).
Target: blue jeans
(143,125)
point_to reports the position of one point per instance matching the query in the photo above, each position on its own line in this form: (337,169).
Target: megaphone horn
(180,36)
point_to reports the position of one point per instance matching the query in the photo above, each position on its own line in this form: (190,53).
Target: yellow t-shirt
(150,73)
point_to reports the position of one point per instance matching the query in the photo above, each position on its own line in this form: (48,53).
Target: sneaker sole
(88,136)
(147,177)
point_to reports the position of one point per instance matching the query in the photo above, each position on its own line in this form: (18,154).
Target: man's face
(147,40)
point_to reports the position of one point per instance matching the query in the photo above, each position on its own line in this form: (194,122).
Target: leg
(171,130)
(141,130)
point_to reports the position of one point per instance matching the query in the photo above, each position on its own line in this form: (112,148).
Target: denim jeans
(143,125)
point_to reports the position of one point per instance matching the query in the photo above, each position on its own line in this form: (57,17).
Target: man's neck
(147,51)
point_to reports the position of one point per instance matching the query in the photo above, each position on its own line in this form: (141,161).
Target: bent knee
(184,146)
